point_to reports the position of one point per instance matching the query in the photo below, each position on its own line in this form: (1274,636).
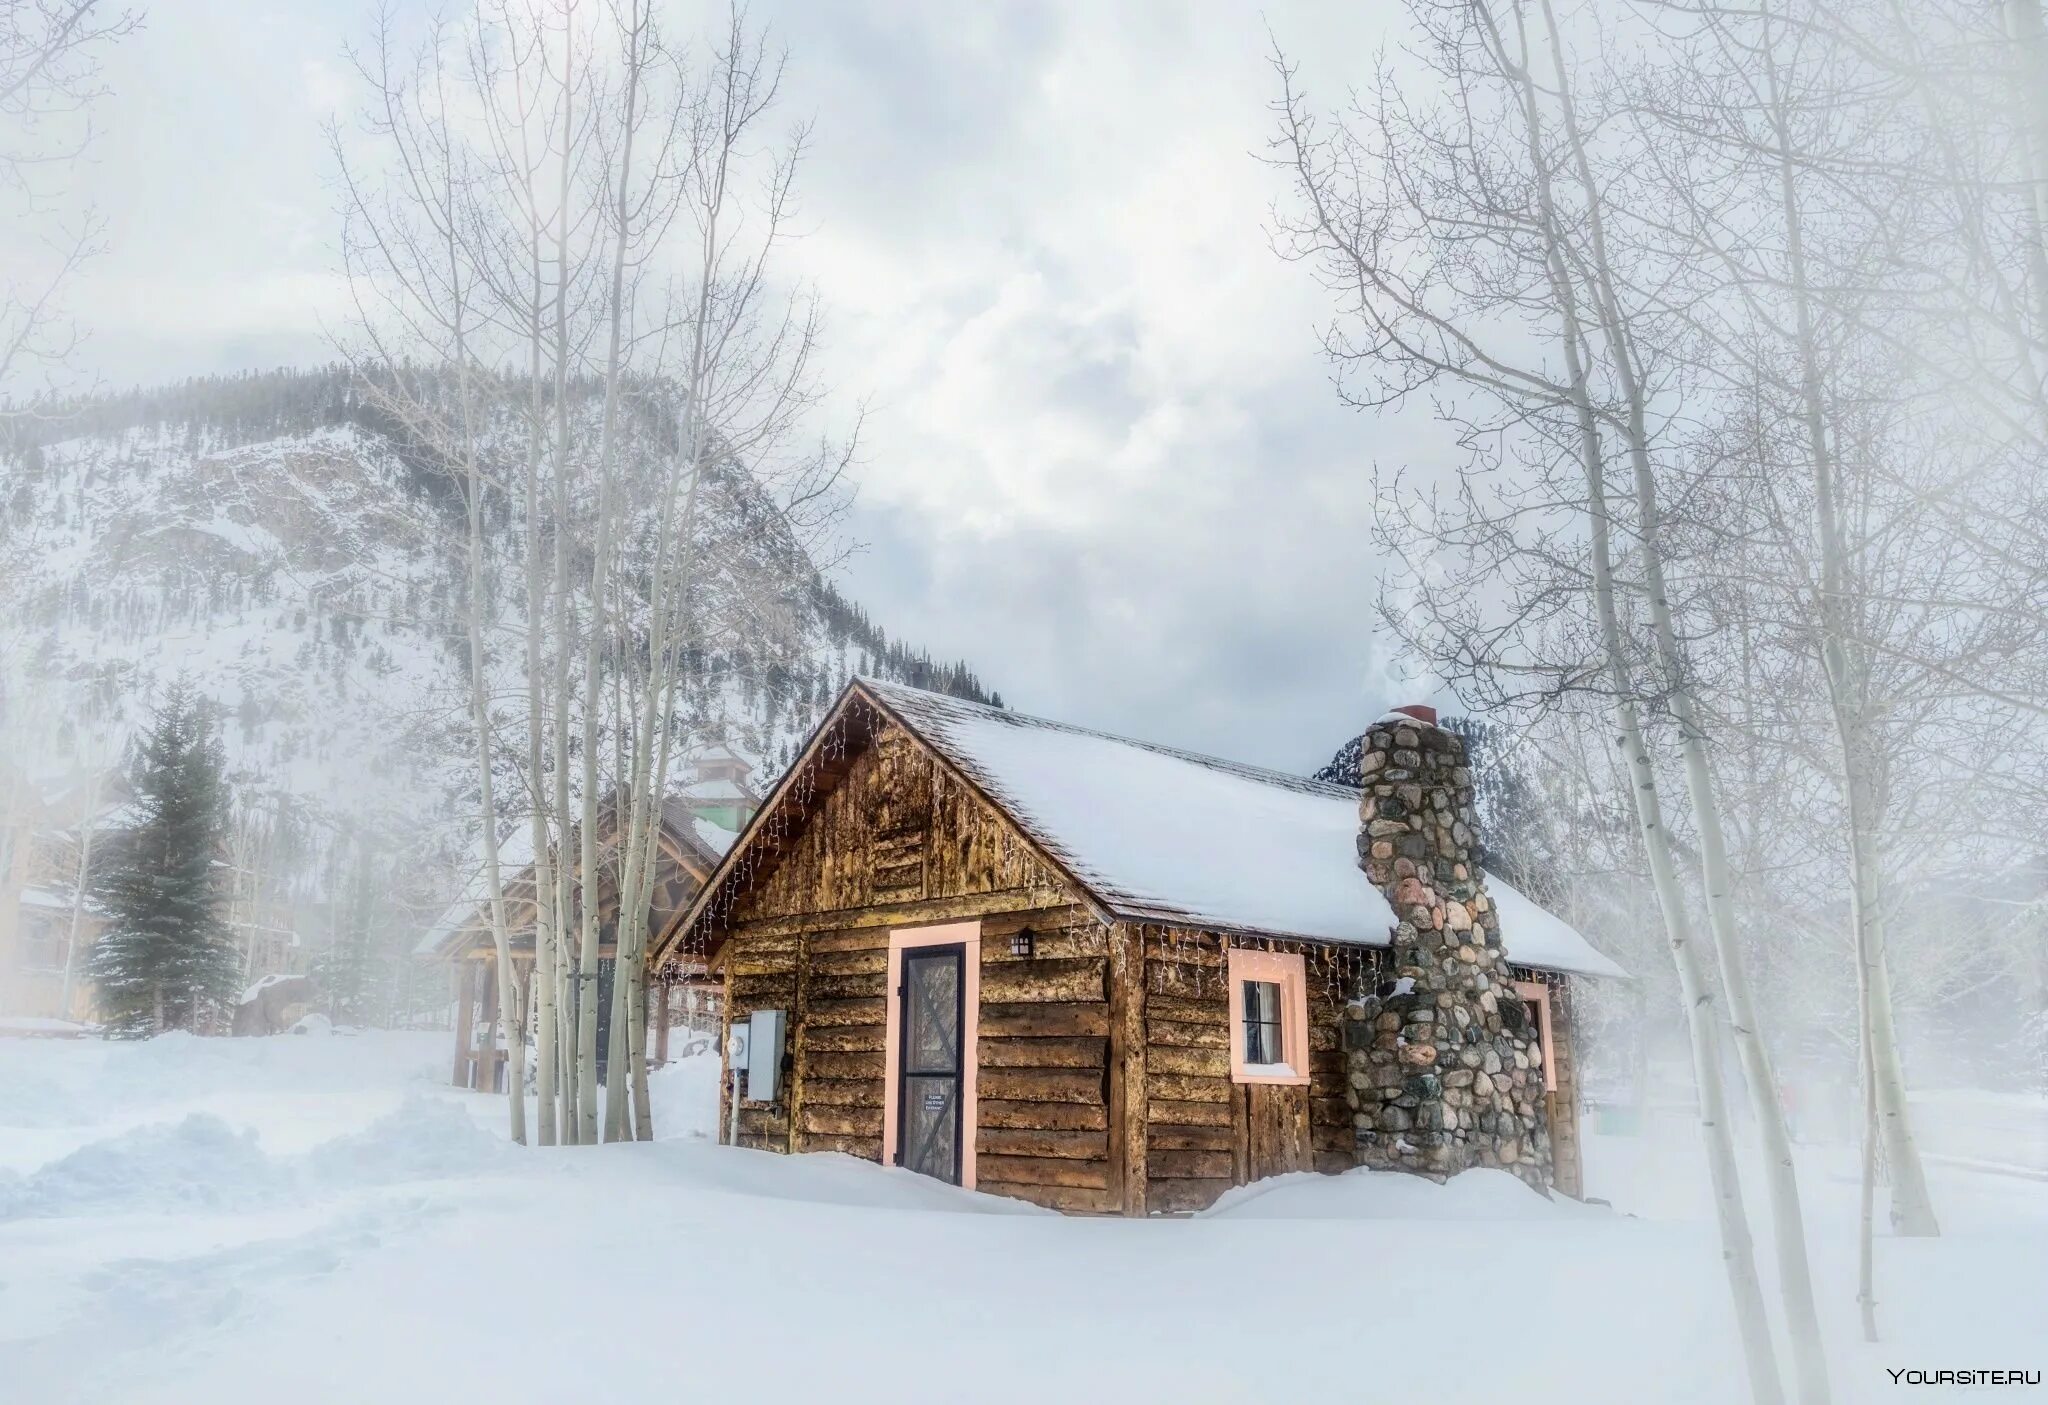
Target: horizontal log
(1035,981)
(1043,1021)
(765,944)
(1079,1051)
(1174,1034)
(914,914)
(844,1039)
(818,1064)
(1168,1112)
(1039,919)
(827,1014)
(843,1092)
(1207,1063)
(1048,1117)
(1176,1164)
(1188,951)
(874,962)
(1215,1010)
(1031,1141)
(839,1121)
(1182,982)
(750,966)
(1178,1197)
(854,987)
(1061,944)
(1324,1039)
(1043,1170)
(765,990)
(1071,1200)
(866,1148)
(1042,1085)
(860,940)
(1187,1088)
(1219,1138)
(771,1121)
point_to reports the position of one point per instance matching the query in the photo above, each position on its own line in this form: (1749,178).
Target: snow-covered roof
(1158,834)
(515,852)
(45,898)
(718,790)
(716,838)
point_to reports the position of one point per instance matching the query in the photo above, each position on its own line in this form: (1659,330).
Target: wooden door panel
(1274,1127)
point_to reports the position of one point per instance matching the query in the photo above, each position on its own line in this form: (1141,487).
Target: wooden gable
(897,830)
(874,824)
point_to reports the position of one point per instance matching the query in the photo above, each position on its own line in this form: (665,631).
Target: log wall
(1202,1133)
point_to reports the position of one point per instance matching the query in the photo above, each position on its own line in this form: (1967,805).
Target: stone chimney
(1445,1072)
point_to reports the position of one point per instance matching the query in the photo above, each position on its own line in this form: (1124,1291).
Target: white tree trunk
(1737,1246)
(1795,1274)
(1847,680)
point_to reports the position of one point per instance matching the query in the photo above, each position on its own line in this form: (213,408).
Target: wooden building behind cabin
(688,850)
(1087,972)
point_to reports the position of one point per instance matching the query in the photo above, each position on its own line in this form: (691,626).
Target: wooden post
(1127,1149)
(487,1055)
(464,976)
(661,984)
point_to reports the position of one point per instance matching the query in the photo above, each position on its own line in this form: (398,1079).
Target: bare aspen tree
(1675,676)
(413,251)
(1420,226)
(633,397)
(745,387)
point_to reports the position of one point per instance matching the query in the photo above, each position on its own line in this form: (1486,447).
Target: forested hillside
(285,544)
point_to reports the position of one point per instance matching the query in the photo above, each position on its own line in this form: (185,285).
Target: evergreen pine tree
(166,959)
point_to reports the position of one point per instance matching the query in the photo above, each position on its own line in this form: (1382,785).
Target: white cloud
(1104,462)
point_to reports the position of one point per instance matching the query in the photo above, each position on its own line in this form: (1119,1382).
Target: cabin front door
(931,1028)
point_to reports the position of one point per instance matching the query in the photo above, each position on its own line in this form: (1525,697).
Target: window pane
(931,1036)
(1262,1043)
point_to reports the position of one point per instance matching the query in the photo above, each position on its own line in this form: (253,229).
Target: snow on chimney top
(1421,712)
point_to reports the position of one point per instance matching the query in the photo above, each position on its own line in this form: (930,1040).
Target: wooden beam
(465,1015)
(1129,1152)
(1021,901)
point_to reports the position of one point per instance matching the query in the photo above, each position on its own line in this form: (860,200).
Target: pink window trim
(967,934)
(1289,972)
(1540,993)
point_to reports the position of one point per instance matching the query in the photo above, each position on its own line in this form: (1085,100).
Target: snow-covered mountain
(278,540)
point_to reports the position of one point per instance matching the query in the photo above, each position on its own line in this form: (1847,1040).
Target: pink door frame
(968,936)
(1539,994)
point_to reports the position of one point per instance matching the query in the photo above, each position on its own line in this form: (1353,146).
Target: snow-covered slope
(204,1220)
(277,539)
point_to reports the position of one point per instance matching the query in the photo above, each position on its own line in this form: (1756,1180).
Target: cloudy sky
(1104,462)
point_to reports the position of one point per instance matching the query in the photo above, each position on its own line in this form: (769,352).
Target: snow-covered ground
(319,1219)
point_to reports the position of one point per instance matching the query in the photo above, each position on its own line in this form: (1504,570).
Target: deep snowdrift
(320,1219)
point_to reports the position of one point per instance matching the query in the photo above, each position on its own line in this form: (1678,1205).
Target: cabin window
(1262,1023)
(1268,1017)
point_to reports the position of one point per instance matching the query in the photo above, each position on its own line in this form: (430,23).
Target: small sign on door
(934,1100)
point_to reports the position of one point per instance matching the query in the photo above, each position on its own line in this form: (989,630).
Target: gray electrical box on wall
(764,1055)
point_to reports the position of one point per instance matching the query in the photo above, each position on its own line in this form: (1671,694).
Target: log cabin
(1117,978)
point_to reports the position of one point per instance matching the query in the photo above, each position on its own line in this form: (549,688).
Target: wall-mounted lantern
(1021,942)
